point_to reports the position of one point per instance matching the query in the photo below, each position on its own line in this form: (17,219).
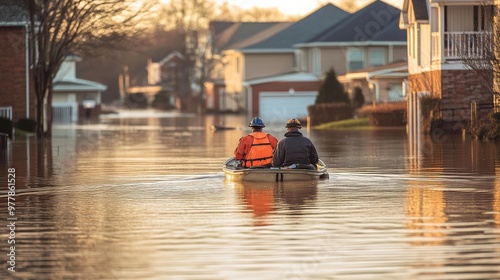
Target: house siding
(13,73)
(263,65)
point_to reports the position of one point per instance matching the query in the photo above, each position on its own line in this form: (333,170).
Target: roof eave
(350,44)
(256,51)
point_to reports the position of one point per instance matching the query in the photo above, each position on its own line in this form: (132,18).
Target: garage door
(278,107)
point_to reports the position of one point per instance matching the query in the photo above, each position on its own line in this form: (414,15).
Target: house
(72,97)
(379,84)
(360,49)
(282,66)
(17,98)
(259,69)
(225,90)
(439,34)
(164,76)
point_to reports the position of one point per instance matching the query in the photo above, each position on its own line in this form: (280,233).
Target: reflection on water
(142,196)
(262,199)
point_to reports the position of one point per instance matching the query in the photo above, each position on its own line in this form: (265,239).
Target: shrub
(389,114)
(6,126)
(136,100)
(28,125)
(162,101)
(487,128)
(331,90)
(329,112)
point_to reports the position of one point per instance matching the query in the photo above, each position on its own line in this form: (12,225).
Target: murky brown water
(145,198)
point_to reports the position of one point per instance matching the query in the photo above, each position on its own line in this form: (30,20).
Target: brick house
(439,33)
(17,98)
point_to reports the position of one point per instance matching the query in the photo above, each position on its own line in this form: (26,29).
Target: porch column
(441,32)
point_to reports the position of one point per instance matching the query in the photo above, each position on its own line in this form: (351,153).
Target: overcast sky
(299,7)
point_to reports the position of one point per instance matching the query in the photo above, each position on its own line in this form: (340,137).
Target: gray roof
(11,14)
(304,29)
(420,9)
(377,21)
(239,31)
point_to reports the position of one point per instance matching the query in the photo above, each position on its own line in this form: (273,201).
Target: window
(377,56)
(355,59)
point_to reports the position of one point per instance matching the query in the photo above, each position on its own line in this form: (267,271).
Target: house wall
(456,88)
(67,70)
(13,73)
(399,53)
(263,65)
(336,57)
(233,72)
(280,86)
(333,57)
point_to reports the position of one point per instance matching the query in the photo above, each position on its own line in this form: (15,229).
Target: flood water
(143,196)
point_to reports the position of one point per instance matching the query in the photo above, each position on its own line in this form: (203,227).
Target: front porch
(461,45)
(461,32)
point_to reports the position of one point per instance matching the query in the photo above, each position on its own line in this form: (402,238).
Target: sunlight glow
(296,7)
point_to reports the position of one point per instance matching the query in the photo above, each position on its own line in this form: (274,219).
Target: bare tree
(60,27)
(190,19)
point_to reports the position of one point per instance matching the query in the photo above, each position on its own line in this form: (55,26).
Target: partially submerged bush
(6,126)
(28,125)
(487,128)
(388,114)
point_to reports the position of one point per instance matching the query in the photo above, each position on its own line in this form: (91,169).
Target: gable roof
(171,56)
(239,31)
(77,85)
(302,30)
(419,9)
(376,22)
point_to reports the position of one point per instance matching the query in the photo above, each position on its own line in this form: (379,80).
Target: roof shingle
(377,21)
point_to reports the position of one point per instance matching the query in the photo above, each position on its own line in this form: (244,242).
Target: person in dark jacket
(295,148)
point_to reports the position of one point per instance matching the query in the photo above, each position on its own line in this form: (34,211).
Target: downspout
(26,47)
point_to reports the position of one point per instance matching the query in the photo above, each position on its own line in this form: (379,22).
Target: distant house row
(274,69)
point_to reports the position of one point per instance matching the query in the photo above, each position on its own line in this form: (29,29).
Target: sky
(298,7)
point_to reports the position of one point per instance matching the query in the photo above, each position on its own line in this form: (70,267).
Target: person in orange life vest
(256,148)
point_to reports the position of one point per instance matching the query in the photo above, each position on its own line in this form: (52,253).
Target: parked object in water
(274,174)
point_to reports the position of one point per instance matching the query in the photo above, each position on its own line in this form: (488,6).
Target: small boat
(273,174)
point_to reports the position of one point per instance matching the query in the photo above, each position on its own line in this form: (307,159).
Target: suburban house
(441,36)
(276,73)
(17,99)
(161,77)
(72,97)
(365,50)
(259,72)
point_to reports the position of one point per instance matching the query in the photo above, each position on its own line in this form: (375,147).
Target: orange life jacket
(261,152)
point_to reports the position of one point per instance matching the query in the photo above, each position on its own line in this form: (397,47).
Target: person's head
(293,125)
(256,124)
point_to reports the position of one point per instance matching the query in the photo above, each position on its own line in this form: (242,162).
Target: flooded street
(143,196)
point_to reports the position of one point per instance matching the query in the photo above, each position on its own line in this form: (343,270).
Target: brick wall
(12,72)
(456,88)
